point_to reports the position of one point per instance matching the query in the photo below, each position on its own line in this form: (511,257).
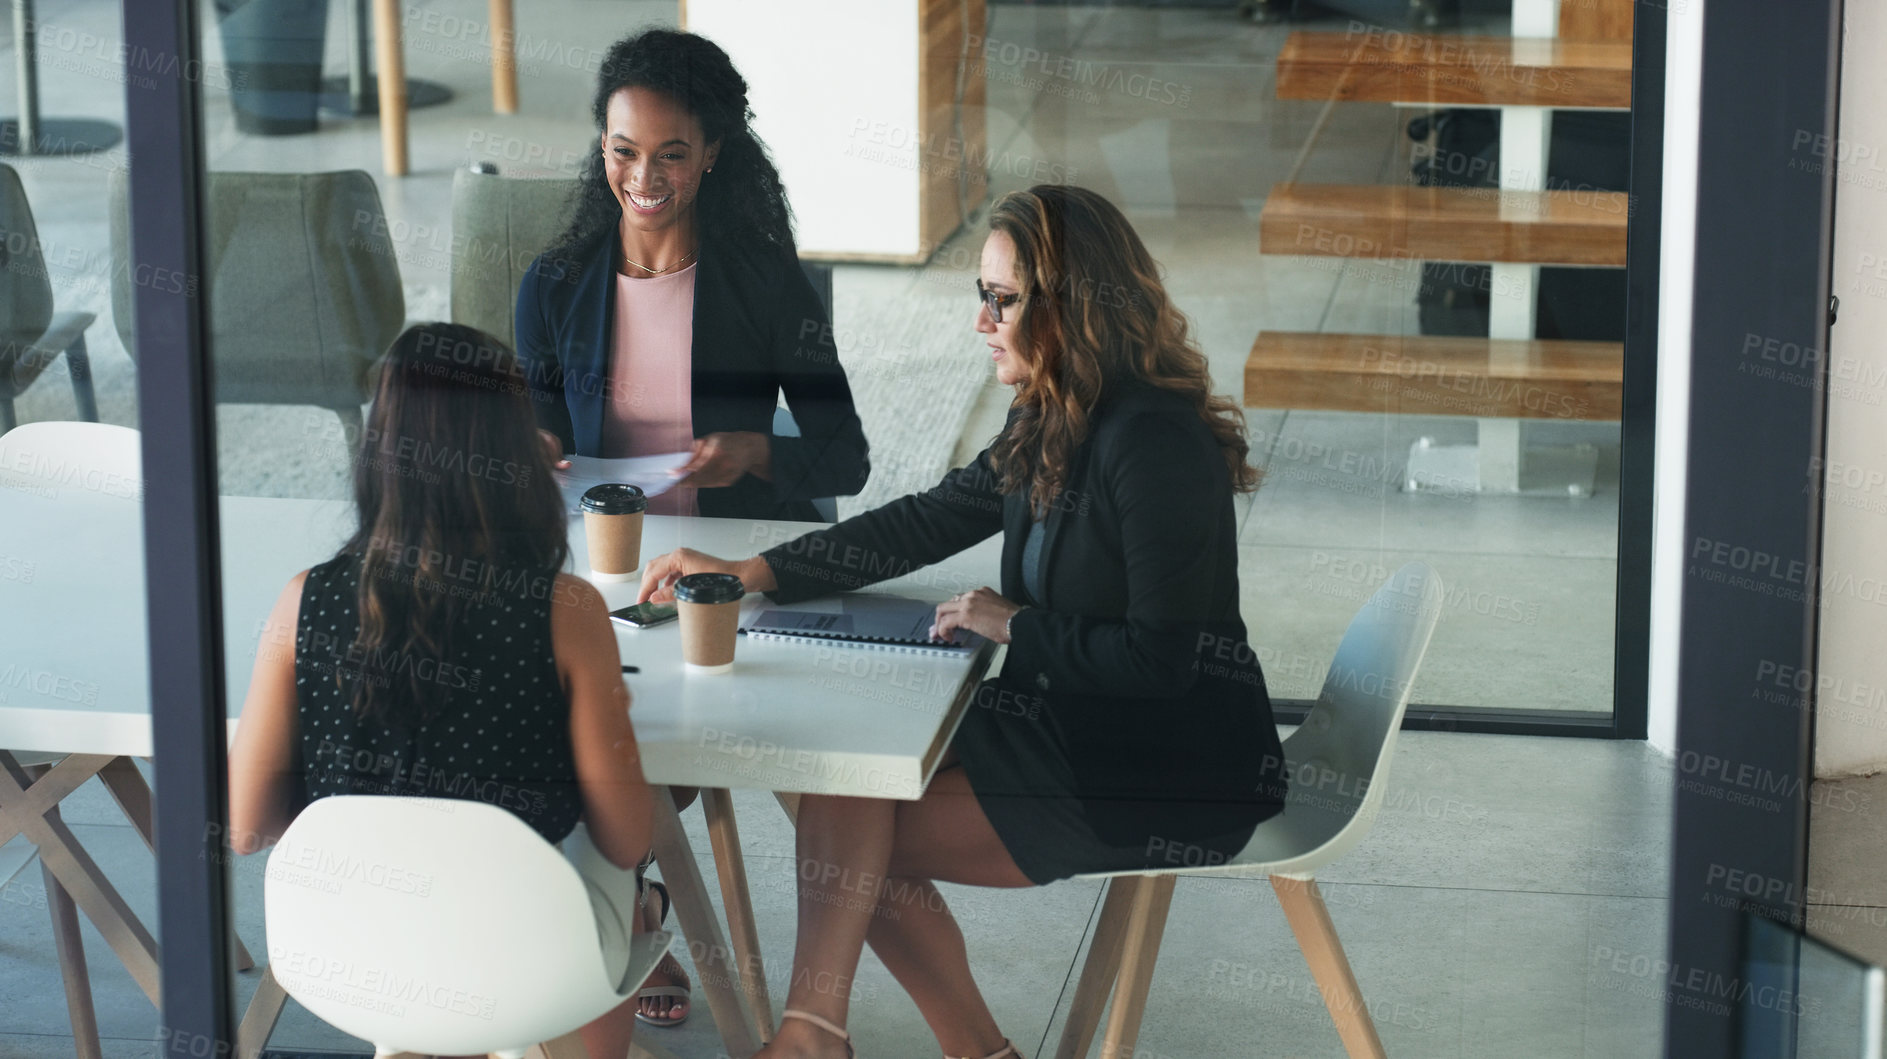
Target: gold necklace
(659,271)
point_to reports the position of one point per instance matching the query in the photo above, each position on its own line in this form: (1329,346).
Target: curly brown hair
(1093,311)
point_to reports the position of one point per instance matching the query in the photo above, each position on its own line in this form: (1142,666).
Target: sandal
(1006,1049)
(661,992)
(825,1024)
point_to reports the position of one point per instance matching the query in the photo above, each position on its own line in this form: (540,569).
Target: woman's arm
(1167,485)
(892,540)
(262,762)
(830,457)
(537,352)
(883,543)
(618,804)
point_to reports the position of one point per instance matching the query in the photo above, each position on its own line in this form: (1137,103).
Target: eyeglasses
(995,302)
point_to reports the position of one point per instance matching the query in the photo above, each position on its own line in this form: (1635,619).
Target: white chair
(1336,760)
(439,926)
(62,452)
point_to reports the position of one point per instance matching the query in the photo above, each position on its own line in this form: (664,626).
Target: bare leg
(669,971)
(943,836)
(607,1036)
(847,848)
(844,845)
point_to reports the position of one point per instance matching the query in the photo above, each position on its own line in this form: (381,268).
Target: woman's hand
(553,447)
(660,573)
(982,612)
(721,459)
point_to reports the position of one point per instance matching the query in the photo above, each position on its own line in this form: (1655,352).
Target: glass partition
(1804,997)
(1410,290)
(77,872)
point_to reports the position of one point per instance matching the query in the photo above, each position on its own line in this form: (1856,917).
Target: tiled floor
(1475,915)
(1502,865)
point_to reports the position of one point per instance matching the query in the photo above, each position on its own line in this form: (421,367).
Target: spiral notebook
(889,623)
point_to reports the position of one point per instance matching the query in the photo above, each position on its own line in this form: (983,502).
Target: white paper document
(647,473)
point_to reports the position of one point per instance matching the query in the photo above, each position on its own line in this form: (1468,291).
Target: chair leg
(1146,925)
(352,423)
(79,366)
(1100,970)
(258,1021)
(1310,920)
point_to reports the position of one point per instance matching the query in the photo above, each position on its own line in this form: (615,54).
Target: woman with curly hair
(672,312)
(1130,718)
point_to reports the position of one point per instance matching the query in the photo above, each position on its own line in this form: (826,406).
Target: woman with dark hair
(442,652)
(672,313)
(1130,718)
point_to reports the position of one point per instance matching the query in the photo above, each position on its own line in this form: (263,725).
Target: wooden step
(1386,66)
(1445,224)
(1436,375)
(1595,20)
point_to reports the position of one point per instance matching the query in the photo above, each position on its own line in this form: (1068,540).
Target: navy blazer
(1137,649)
(759,329)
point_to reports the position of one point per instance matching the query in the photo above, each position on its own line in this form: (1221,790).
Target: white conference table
(792,719)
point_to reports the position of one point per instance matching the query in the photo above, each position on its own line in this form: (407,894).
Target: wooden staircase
(1514,228)
(1444,224)
(1436,375)
(1456,71)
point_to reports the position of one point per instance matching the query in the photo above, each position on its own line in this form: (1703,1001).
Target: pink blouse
(649,411)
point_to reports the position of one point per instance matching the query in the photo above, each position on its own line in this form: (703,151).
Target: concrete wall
(1851,718)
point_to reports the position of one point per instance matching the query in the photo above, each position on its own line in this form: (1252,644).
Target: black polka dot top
(502,738)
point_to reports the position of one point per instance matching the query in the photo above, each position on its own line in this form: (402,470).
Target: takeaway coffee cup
(612,520)
(710,616)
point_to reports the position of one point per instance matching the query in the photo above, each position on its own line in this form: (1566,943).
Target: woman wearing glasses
(672,313)
(1130,719)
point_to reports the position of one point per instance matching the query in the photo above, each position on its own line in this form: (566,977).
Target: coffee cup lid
(614,498)
(709,588)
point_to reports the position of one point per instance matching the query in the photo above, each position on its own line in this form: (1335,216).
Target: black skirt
(1076,788)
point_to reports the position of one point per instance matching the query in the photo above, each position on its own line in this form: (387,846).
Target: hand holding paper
(651,474)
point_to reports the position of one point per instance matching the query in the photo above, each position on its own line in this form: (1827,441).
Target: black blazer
(1137,646)
(759,329)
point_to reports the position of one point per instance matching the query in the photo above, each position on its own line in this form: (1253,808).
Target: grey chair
(304,287)
(501,225)
(32,334)
(504,224)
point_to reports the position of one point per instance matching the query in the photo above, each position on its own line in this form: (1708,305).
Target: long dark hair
(743,201)
(1093,310)
(458,507)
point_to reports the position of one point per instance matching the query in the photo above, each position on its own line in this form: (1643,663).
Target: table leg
(71,949)
(24,800)
(29,133)
(714,972)
(504,58)
(390,58)
(724,834)
(22,810)
(26,73)
(127,787)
